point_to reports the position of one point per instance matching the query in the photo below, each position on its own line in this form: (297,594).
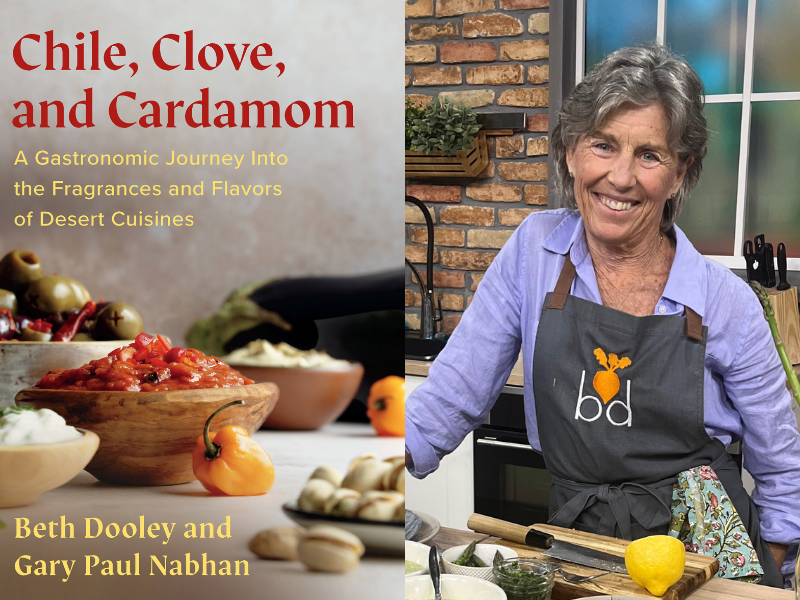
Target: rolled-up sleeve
(756,384)
(468,375)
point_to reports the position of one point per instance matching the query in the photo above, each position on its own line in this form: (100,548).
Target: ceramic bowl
(417,553)
(430,527)
(147,438)
(311,397)
(25,363)
(454,587)
(28,471)
(485,552)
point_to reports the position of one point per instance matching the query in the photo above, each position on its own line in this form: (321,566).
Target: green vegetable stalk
(776,337)
(466,555)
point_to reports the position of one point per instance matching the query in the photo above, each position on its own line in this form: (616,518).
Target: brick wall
(493,56)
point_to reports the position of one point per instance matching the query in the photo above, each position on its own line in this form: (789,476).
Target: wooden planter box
(468,163)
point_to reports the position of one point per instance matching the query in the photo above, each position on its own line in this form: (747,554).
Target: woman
(643,360)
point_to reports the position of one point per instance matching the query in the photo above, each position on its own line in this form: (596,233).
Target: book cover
(210,174)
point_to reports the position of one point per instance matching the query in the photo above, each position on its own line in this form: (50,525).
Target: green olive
(118,321)
(52,294)
(8,300)
(19,268)
(82,337)
(29,335)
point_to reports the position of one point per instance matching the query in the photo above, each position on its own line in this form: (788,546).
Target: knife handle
(510,531)
(760,252)
(769,263)
(783,285)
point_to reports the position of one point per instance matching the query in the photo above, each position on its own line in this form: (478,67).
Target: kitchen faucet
(426,347)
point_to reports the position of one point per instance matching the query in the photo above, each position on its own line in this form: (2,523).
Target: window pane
(709,216)
(614,24)
(773,202)
(777,46)
(710,34)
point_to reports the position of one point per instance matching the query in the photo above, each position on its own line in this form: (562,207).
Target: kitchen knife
(769,264)
(553,548)
(783,285)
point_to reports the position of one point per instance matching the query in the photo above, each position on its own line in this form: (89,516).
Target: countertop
(421,367)
(716,589)
(295,455)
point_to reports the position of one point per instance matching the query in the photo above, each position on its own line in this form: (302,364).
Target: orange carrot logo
(607,382)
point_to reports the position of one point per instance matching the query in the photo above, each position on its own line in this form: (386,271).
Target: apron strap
(694,322)
(560,293)
(694,325)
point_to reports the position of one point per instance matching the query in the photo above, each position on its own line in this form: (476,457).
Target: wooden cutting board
(699,568)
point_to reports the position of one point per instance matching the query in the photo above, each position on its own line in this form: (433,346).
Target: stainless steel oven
(511,481)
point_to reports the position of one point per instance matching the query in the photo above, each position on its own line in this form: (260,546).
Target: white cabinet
(448,493)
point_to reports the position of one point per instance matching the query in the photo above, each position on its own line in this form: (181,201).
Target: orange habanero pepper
(230,462)
(386,406)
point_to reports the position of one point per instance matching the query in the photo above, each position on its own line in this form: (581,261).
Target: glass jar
(525,578)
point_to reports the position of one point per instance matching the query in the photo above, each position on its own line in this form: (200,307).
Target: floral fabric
(705,520)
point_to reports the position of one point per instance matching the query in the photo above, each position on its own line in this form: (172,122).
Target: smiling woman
(616,284)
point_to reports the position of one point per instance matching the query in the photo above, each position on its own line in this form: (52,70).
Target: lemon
(655,562)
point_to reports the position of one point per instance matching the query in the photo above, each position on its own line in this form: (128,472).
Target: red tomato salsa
(149,364)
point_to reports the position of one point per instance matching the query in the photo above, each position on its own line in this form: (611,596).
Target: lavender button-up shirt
(745,394)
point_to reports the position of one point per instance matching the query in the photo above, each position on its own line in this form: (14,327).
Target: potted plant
(444,140)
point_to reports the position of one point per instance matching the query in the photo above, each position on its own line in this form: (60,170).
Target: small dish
(454,587)
(311,397)
(485,552)
(379,537)
(417,553)
(28,471)
(428,530)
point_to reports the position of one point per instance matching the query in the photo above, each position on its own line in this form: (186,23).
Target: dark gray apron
(614,461)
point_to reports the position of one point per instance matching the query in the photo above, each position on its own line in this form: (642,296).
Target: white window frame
(747,97)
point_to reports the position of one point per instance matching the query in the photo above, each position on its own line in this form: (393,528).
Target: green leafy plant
(441,127)
(413,112)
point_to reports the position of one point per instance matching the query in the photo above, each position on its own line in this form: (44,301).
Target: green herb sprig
(15,410)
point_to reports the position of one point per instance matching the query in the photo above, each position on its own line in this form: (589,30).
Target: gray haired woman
(643,360)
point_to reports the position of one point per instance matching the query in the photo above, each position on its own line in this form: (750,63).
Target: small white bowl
(485,552)
(417,553)
(454,587)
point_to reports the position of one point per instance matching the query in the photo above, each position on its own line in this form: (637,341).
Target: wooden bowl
(310,397)
(147,438)
(25,363)
(29,470)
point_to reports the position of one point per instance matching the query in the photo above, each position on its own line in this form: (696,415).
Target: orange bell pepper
(386,406)
(230,462)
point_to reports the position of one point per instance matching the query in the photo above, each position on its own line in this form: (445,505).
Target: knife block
(784,305)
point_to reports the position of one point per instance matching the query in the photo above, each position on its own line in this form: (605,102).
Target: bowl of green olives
(51,321)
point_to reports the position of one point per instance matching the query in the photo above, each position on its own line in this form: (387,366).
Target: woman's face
(624,173)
